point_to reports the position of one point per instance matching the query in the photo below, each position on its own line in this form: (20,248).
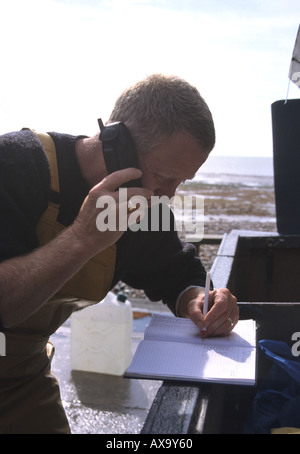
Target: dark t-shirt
(155,261)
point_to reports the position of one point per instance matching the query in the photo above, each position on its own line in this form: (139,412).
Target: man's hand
(85,229)
(222,316)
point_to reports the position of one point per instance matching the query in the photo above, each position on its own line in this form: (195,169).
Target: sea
(228,179)
(240,170)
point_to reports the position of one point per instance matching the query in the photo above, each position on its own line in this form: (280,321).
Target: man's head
(159,106)
(172,128)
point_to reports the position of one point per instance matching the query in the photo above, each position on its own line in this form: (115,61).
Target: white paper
(185,356)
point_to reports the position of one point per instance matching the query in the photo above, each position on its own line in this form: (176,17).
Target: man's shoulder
(17,143)
(22,155)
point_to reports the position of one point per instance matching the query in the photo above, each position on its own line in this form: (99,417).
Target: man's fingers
(195,313)
(112,182)
(223,315)
(120,177)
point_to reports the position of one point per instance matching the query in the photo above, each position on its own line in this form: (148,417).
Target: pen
(206,297)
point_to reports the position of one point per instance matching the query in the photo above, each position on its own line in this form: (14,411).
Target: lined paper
(172,349)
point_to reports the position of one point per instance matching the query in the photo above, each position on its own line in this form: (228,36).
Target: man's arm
(28,281)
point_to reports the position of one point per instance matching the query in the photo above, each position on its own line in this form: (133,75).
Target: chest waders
(29,394)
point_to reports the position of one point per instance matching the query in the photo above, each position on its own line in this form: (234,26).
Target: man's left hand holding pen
(222,315)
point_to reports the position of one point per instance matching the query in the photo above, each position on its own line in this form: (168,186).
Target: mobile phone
(119,149)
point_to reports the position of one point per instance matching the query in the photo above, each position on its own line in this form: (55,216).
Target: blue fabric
(277,402)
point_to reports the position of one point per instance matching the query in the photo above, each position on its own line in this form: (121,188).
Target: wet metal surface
(98,403)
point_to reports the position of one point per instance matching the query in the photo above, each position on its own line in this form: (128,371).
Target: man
(51,247)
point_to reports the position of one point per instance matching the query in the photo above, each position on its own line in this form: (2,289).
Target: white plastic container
(101,336)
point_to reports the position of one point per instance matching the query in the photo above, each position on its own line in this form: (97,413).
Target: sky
(65,62)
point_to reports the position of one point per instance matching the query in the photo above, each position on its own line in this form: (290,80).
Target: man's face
(175,160)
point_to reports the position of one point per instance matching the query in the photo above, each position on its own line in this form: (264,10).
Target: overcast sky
(64,62)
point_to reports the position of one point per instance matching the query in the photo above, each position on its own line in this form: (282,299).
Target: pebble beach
(228,207)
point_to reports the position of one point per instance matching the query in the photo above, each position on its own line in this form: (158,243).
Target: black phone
(119,149)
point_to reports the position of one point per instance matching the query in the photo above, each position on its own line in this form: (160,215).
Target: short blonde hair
(158,106)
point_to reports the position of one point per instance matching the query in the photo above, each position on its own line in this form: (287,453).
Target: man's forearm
(28,281)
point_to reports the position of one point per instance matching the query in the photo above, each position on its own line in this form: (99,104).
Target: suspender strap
(94,279)
(49,147)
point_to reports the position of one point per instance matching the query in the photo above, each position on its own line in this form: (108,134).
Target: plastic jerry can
(101,336)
